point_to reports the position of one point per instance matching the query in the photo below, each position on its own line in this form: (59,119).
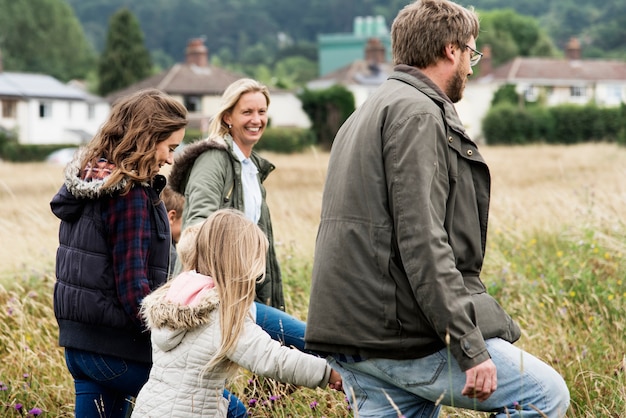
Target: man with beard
(397,303)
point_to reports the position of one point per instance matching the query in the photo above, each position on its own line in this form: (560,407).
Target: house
(40,109)
(361,76)
(337,50)
(552,81)
(199,86)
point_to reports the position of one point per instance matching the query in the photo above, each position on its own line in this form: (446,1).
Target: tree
(510,34)
(125,59)
(328,109)
(44,36)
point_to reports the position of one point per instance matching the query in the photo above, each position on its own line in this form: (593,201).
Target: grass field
(555,261)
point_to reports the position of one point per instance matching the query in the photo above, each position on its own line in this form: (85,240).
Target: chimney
(572,50)
(374,51)
(485,64)
(196,53)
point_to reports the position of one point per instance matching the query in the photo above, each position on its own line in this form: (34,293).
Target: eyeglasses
(475,55)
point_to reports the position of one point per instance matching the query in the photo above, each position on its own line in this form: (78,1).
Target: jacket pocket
(493,321)
(382,245)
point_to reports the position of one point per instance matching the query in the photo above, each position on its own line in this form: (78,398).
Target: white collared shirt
(251,188)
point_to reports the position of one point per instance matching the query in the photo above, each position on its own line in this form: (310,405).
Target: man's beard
(455,87)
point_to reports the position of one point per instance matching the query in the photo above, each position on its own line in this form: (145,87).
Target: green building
(340,49)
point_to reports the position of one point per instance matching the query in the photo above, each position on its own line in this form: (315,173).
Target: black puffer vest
(88,312)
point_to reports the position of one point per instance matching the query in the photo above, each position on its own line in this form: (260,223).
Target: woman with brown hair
(114,242)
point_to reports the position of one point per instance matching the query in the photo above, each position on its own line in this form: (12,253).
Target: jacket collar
(417,79)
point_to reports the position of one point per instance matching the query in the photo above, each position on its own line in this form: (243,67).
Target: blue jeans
(419,387)
(104,384)
(236,408)
(281,327)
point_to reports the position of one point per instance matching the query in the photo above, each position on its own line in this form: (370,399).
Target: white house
(40,109)
(553,81)
(199,86)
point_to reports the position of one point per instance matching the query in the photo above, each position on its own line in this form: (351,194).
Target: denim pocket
(99,367)
(412,372)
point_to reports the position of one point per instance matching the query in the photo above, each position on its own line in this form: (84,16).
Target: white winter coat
(185,338)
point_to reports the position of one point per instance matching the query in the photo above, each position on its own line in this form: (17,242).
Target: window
(9,109)
(531,93)
(193,103)
(614,93)
(45,109)
(577,91)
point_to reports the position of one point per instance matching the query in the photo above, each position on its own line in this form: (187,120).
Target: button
(466,345)
(450,139)
(470,152)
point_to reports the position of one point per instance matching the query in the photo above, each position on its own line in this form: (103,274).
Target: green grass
(567,289)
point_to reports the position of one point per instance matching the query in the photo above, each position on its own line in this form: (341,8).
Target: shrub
(286,140)
(327,109)
(508,124)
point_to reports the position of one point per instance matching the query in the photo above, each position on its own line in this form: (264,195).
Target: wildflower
(611,297)
(18,407)
(559,253)
(252,402)
(313,405)
(274,398)
(517,406)
(572,293)
(3,386)
(35,412)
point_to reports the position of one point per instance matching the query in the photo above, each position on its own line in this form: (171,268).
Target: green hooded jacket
(208,174)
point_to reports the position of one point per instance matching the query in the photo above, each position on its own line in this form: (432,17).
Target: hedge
(506,123)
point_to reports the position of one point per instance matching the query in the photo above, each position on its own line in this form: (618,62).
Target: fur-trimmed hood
(169,321)
(69,202)
(185,160)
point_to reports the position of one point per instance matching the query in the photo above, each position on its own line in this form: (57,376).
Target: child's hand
(335,382)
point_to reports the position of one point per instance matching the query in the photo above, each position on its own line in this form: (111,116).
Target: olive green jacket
(403,231)
(208,174)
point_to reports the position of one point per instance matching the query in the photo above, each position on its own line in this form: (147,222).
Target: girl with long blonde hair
(202,327)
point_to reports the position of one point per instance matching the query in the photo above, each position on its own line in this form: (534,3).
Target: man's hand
(481,381)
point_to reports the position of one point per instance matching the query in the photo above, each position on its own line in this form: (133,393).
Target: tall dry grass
(534,188)
(555,261)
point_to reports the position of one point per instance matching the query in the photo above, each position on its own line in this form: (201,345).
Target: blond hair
(230,98)
(128,138)
(422,30)
(232,250)
(186,246)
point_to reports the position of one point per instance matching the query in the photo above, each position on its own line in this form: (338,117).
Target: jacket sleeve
(417,163)
(205,189)
(257,352)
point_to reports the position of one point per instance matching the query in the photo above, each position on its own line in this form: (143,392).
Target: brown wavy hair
(422,30)
(128,138)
